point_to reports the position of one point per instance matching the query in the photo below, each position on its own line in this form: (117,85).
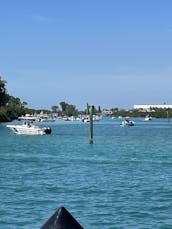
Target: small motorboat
(148,118)
(127,122)
(29,128)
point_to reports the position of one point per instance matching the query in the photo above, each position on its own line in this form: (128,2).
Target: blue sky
(112,53)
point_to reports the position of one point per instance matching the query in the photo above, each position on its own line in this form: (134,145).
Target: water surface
(123,180)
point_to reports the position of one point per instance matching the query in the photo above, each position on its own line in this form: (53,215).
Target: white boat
(148,118)
(127,122)
(86,119)
(46,119)
(29,128)
(27,117)
(95,118)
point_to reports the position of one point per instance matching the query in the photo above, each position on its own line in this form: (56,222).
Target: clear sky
(112,53)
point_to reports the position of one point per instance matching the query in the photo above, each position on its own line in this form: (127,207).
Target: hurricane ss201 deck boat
(29,128)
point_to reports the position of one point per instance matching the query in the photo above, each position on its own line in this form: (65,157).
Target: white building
(149,107)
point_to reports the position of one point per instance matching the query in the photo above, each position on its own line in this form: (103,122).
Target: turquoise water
(123,180)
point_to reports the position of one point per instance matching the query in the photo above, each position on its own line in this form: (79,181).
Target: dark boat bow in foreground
(62,219)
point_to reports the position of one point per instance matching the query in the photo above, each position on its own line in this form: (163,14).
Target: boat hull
(33,130)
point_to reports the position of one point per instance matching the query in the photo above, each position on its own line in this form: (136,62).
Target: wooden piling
(91,111)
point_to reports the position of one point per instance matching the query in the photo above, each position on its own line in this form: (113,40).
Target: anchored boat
(127,122)
(148,118)
(29,128)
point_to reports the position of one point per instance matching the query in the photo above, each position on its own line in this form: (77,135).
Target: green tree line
(155,113)
(10,107)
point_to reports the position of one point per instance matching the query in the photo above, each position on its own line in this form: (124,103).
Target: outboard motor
(47,130)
